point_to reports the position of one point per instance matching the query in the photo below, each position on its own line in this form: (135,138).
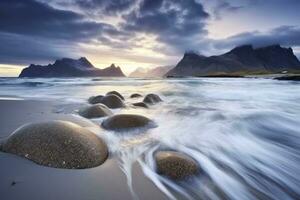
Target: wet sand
(23,179)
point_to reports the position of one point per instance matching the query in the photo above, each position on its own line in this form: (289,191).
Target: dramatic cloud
(24,50)
(224,6)
(31,30)
(111,7)
(284,35)
(177,23)
(140,32)
(38,19)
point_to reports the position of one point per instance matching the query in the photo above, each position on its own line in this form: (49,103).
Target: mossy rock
(175,165)
(58,144)
(95,111)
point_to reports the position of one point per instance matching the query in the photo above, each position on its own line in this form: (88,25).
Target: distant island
(156,72)
(68,67)
(242,60)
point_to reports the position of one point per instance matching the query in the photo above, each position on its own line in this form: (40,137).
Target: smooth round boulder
(115,93)
(95,111)
(152,99)
(58,144)
(140,104)
(112,101)
(135,95)
(175,165)
(95,99)
(127,121)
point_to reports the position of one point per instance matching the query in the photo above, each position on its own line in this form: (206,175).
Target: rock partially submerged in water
(135,95)
(127,121)
(58,144)
(95,111)
(152,99)
(112,101)
(140,104)
(95,99)
(288,78)
(116,93)
(175,165)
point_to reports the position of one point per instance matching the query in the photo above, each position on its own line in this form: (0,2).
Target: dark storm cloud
(38,19)
(105,6)
(224,6)
(174,22)
(23,50)
(37,30)
(284,35)
(31,30)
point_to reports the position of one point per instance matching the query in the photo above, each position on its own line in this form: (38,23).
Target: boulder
(116,93)
(135,95)
(95,99)
(152,99)
(175,165)
(95,111)
(127,121)
(112,101)
(140,104)
(58,144)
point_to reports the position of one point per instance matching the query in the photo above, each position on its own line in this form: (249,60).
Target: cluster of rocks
(63,144)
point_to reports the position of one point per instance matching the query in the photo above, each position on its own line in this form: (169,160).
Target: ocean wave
(243,133)
(26,84)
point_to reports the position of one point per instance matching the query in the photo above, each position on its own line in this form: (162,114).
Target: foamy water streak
(244,133)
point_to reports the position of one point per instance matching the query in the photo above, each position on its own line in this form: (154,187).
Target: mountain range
(67,67)
(240,60)
(150,73)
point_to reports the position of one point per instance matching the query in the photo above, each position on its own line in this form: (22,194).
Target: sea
(244,133)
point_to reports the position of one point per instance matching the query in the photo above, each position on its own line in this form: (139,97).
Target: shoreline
(23,179)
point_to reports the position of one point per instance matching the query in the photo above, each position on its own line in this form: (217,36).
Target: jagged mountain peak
(243,59)
(68,67)
(242,48)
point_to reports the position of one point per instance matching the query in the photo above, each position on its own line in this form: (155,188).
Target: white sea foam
(244,133)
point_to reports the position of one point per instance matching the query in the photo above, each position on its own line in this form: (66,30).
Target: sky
(139,33)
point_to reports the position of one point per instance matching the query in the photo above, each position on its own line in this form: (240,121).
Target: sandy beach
(23,179)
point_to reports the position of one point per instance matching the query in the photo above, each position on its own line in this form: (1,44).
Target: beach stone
(116,93)
(175,165)
(95,99)
(58,144)
(140,104)
(152,99)
(135,95)
(112,101)
(126,121)
(95,111)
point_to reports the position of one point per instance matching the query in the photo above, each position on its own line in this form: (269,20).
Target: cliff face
(67,67)
(243,59)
